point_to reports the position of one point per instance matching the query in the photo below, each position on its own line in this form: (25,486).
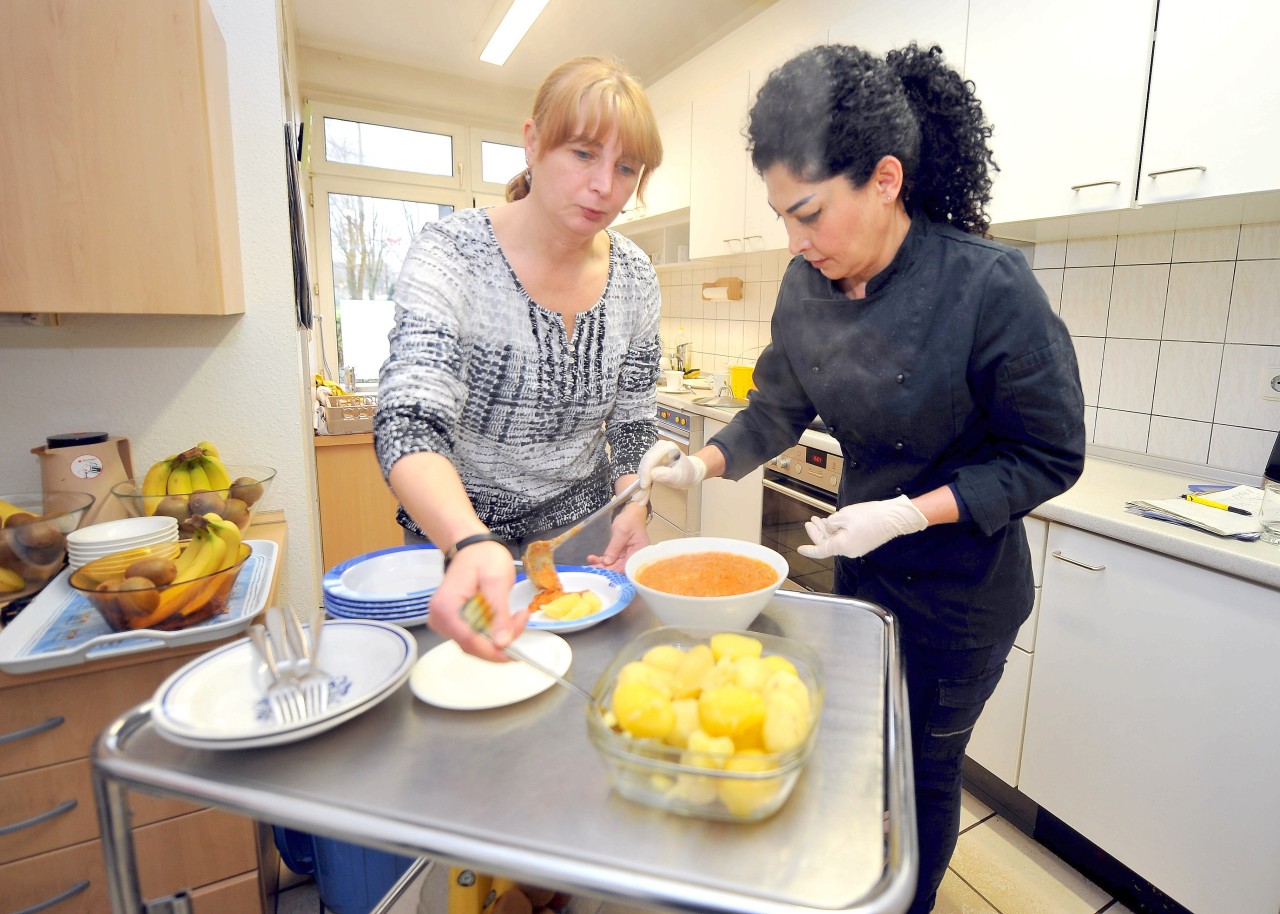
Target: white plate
(126,529)
(60,626)
(411,564)
(216,701)
(448,678)
(404,620)
(614,590)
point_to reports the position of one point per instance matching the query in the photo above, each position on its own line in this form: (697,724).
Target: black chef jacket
(953,370)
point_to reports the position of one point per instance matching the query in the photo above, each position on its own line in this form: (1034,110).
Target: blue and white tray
(60,627)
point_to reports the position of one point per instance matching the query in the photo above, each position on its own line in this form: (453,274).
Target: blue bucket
(351,879)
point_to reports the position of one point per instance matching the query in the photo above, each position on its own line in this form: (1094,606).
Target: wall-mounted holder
(728,288)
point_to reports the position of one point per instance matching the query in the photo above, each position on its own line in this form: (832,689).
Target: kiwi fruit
(136,596)
(236,511)
(157,569)
(18,518)
(174,506)
(247,489)
(204,502)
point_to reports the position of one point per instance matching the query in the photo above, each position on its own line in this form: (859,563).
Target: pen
(1217,504)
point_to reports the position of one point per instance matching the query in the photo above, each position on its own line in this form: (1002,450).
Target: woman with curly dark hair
(933,357)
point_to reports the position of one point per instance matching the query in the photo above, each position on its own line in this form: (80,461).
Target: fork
(313,681)
(283,696)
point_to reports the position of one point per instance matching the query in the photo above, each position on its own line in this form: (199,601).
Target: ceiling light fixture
(511,30)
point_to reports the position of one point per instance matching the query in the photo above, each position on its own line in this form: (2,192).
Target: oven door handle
(809,500)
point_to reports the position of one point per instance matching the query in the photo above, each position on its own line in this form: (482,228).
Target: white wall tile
(1137,301)
(1089,360)
(1198,303)
(1086,293)
(1049,255)
(1153,247)
(1128,374)
(1244,450)
(1260,241)
(1217,243)
(1187,381)
(1240,400)
(1255,303)
(1051,282)
(1179,439)
(1091,252)
(1116,428)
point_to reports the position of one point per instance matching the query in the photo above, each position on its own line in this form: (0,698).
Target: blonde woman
(520,391)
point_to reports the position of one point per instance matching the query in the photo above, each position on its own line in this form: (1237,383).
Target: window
(499,162)
(379,146)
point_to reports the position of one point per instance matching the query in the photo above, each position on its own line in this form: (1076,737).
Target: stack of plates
(390,585)
(95,541)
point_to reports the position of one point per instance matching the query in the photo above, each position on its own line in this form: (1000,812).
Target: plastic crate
(350,879)
(350,414)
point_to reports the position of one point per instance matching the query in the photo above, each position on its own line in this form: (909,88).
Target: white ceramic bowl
(732,612)
(98,540)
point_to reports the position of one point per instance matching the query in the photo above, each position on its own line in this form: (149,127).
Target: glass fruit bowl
(33,538)
(122,588)
(237,503)
(711,750)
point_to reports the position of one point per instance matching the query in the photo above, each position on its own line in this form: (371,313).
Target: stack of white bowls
(390,585)
(96,540)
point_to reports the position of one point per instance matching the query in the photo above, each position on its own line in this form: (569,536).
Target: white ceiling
(649,37)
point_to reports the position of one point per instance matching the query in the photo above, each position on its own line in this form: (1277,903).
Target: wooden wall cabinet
(357,509)
(119,189)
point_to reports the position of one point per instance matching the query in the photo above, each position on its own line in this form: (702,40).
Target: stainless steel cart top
(519,790)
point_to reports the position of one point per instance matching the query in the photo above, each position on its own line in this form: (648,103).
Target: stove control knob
(784,463)
(833,479)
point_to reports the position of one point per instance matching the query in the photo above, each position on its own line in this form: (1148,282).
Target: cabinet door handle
(56,899)
(61,809)
(1079,564)
(1169,171)
(32,730)
(1094,184)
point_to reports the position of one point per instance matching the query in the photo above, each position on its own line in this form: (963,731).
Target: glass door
(364,229)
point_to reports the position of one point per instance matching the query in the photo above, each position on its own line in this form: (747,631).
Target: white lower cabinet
(731,509)
(996,744)
(1151,725)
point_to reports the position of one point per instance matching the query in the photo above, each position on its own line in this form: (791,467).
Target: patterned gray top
(484,376)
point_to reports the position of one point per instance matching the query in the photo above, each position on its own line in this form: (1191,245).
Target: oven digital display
(815,458)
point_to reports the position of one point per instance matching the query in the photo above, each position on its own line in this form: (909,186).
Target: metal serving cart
(519,790)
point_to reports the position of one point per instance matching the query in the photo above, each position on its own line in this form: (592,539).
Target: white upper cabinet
(1213,118)
(668,189)
(879,26)
(717,170)
(1063,85)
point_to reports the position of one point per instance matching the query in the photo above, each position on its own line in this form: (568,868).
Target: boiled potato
(730,711)
(788,684)
(570,606)
(751,673)
(643,710)
(786,723)
(665,657)
(734,645)
(745,797)
(778,663)
(635,671)
(704,752)
(693,666)
(686,721)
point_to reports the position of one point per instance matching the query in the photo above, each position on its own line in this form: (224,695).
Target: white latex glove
(855,530)
(665,463)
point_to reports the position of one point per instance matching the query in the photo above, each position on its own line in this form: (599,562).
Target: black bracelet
(471,541)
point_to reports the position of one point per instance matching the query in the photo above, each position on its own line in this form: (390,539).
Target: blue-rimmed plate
(386,575)
(614,590)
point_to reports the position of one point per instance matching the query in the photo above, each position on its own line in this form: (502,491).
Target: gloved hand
(665,463)
(855,530)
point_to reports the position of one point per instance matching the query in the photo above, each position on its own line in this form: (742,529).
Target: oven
(800,483)
(677,512)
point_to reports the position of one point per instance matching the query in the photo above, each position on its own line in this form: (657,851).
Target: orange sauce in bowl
(707,574)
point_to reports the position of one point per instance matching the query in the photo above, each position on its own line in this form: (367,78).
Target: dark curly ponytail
(837,109)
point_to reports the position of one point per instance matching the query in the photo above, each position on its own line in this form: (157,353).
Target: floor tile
(1018,876)
(955,896)
(972,811)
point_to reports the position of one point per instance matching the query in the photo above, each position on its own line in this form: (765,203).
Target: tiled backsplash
(1173,331)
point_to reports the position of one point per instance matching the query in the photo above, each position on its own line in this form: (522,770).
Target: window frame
(477,136)
(320,164)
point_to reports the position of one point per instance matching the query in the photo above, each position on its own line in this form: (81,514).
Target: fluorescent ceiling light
(511,30)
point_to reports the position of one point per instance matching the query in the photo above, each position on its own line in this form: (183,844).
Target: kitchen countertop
(1096,503)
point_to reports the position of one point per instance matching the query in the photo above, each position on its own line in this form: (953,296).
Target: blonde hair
(591,98)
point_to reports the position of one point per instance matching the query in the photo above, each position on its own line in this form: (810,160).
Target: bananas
(229,533)
(7,508)
(204,555)
(10,580)
(196,469)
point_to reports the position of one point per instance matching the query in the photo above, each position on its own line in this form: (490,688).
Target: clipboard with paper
(1206,518)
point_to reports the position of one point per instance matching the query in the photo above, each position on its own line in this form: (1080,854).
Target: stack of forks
(298,689)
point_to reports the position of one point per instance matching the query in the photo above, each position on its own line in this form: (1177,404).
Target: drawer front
(239,895)
(56,721)
(190,851)
(57,804)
